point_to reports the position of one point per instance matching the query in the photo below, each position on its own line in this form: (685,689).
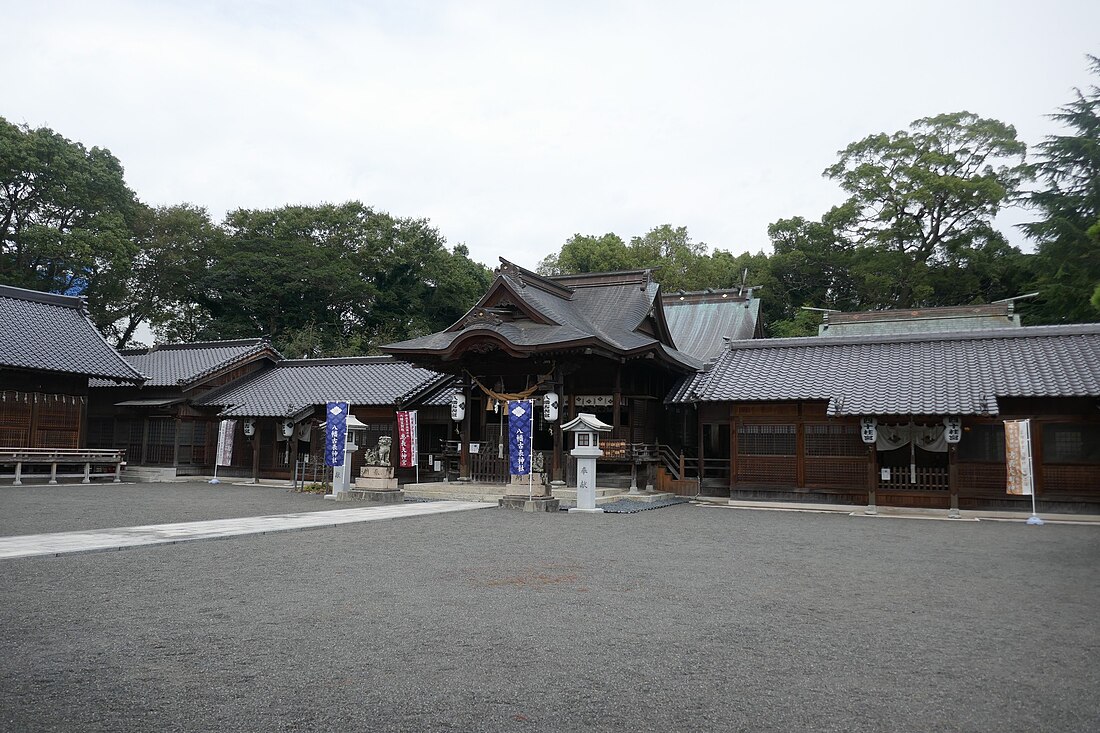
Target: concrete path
(156,534)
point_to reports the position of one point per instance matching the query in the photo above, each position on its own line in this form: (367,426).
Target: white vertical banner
(1021,480)
(226,429)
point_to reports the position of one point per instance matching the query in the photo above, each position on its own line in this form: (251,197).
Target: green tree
(334,280)
(589,253)
(1068,235)
(929,194)
(175,245)
(65,215)
(679,261)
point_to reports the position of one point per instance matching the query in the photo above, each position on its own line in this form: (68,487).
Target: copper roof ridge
(529,277)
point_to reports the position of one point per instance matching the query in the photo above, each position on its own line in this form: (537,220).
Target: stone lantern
(586,429)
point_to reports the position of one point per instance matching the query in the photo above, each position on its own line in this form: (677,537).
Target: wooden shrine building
(159,425)
(49,349)
(603,343)
(863,412)
(285,405)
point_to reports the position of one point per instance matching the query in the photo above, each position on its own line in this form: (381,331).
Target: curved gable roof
(605,310)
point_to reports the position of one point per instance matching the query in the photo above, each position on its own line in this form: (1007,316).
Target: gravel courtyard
(683,618)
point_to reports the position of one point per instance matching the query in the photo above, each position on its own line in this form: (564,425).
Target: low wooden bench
(54,457)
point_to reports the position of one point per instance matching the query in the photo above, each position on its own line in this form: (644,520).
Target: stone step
(453,495)
(603,493)
(148,474)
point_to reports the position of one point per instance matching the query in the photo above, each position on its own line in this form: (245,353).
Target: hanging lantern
(250,427)
(868,429)
(458,407)
(550,407)
(952,432)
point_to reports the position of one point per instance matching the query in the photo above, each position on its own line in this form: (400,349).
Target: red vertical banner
(406,439)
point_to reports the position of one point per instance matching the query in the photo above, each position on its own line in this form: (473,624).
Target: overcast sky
(513,125)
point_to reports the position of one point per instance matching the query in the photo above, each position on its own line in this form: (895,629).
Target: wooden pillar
(464,443)
(256,453)
(177,424)
(556,464)
(872,478)
(800,450)
(616,399)
(699,436)
(293,454)
(953,480)
(733,451)
(144,439)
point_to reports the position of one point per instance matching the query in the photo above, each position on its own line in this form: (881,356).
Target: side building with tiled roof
(158,424)
(284,407)
(866,417)
(49,350)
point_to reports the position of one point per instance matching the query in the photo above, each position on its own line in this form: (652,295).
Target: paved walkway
(97,540)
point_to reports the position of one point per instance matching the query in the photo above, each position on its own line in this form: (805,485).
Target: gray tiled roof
(52,333)
(294,385)
(607,314)
(182,364)
(703,328)
(925,374)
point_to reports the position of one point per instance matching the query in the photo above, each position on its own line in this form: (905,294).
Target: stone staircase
(604,494)
(460,490)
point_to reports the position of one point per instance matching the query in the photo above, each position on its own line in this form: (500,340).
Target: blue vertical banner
(336,428)
(519,436)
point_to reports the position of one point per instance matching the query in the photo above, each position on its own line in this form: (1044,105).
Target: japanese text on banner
(519,437)
(336,425)
(407,447)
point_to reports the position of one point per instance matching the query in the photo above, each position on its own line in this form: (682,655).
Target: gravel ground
(33,509)
(688,618)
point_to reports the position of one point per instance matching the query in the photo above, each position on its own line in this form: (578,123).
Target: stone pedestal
(529,493)
(377,484)
(586,484)
(520,484)
(376,478)
(535,504)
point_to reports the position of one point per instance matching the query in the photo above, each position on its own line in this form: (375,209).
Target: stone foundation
(379,497)
(535,504)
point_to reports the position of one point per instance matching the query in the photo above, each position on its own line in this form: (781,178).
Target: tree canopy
(1068,235)
(65,215)
(916,229)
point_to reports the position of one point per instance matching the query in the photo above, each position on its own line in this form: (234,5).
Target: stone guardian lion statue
(380,454)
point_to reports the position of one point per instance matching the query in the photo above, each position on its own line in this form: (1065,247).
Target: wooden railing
(926,479)
(54,457)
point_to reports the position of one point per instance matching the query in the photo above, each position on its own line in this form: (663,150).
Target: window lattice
(766,440)
(833,440)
